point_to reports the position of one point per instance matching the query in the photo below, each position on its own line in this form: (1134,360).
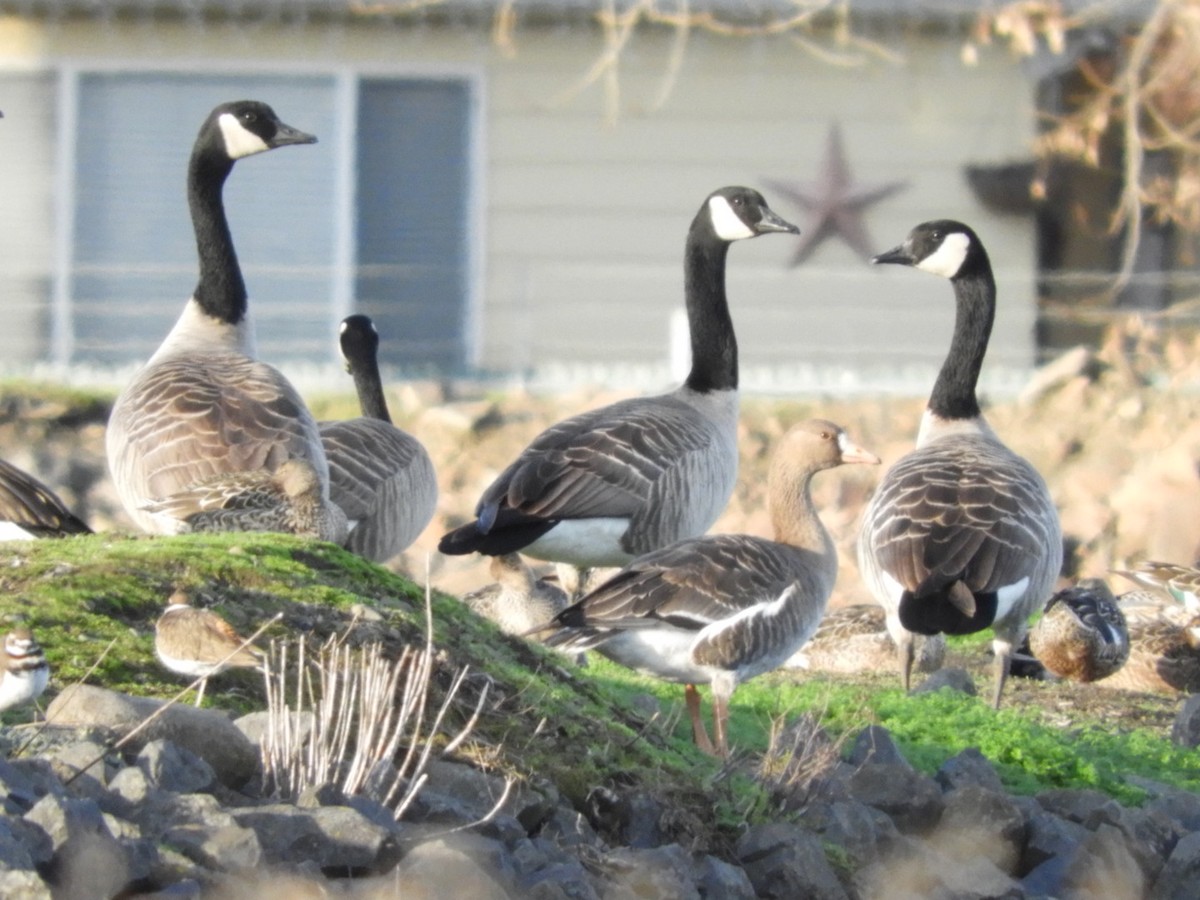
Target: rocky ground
(1117,435)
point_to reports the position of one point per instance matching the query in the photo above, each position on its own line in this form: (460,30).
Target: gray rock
(979,822)
(1099,866)
(1180,807)
(1048,836)
(718,880)
(968,767)
(862,831)
(131,785)
(207,733)
(874,744)
(18,792)
(665,871)
(21,884)
(955,679)
(478,792)
(1087,807)
(88,861)
(86,756)
(173,768)
(1186,729)
(14,852)
(1181,873)
(197,827)
(567,827)
(627,816)
(786,861)
(328,836)
(255,725)
(912,800)
(457,865)
(567,880)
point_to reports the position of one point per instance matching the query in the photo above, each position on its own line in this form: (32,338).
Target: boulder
(207,733)
(785,861)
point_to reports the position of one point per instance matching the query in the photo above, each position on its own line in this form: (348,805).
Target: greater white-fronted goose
(288,500)
(962,533)
(381,476)
(608,485)
(29,509)
(197,642)
(721,609)
(203,406)
(1082,635)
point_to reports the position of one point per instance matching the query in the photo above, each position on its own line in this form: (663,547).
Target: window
(374,218)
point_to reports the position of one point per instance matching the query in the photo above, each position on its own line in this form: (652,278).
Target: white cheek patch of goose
(239,142)
(726,223)
(948,258)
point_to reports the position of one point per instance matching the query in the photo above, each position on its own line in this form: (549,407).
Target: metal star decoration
(835,204)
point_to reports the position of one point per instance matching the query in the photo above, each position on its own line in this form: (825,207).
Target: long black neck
(714,346)
(369,386)
(221,292)
(953,394)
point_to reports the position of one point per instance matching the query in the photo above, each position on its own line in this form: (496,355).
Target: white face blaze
(726,223)
(948,258)
(238,141)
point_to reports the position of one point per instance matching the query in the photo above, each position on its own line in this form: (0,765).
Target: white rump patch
(948,258)
(1008,595)
(238,141)
(587,543)
(726,223)
(11,531)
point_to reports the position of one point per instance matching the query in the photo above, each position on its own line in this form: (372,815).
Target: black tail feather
(952,610)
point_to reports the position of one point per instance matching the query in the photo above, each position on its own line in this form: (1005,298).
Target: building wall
(581,217)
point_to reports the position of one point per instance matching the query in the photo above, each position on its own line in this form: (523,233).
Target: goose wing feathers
(183,421)
(28,503)
(615,461)
(726,588)
(383,479)
(961,509)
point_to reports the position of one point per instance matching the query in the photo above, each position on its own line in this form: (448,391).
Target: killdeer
(26,672)
(198,642)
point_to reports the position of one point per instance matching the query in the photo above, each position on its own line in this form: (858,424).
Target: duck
(1164,657)
(518,601)
(379,475)
(203,406)
(722,609)
(29,509)
(962,533)
(1180,583)
(1082,634)
(26,672)
(608,485)
(199,643)
(287,500)
(854,638)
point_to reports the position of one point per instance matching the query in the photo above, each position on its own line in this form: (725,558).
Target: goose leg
(699,732)
(1002,653)
(720,722)
(904,656)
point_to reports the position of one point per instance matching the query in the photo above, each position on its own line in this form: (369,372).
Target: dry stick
(162,709)
(84,677)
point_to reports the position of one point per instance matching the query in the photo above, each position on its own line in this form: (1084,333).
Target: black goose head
(244,127)
(737,213)
(359,340)
(942,247)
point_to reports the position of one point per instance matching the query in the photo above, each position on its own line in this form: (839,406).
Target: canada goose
(29,509)
(721,609)
(1164,657)
(379,475)
(855,638)
(608,485)
(962,533)
(25,673)
(1180,583)
(1082,636)
(287,500)
(202,406)
(197,642)
(518,601)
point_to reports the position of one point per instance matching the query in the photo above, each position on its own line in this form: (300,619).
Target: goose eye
(249,117)
(738,201)
(825,435)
